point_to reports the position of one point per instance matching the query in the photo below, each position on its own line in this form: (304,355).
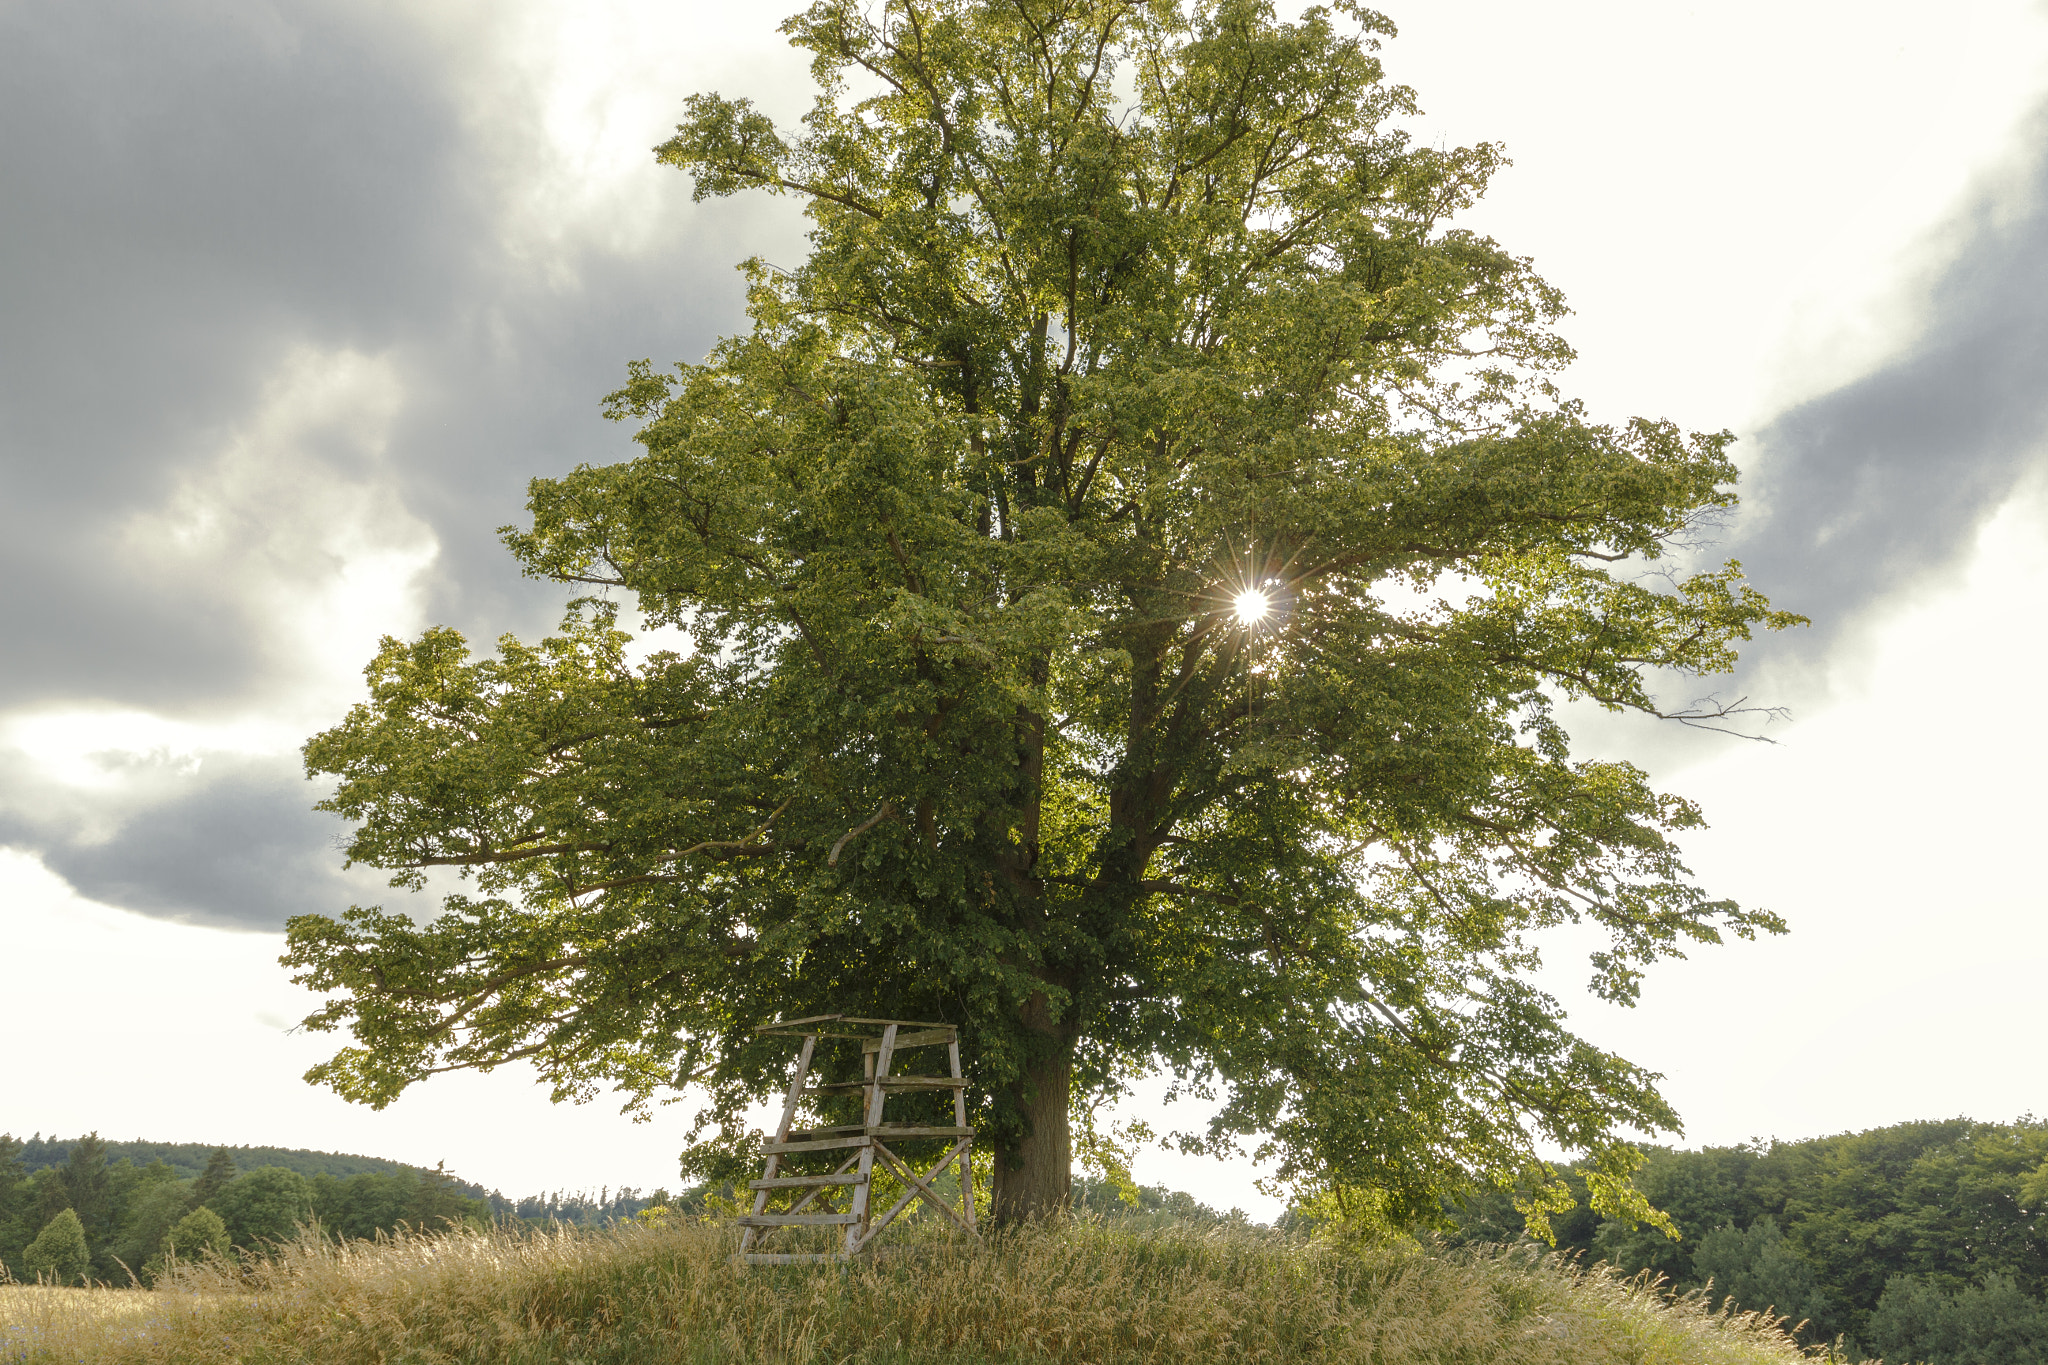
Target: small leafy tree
(197,1236)
(1757,1269)
(59,1254)
(1129,573)
(156,1210)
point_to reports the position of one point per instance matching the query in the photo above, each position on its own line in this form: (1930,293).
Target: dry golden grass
(1081,1294)
(33,1315)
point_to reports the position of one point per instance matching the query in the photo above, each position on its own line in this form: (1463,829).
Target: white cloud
(1736,199)
(1897,831)
(187,1029)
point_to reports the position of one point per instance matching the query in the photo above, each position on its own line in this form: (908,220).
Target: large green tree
(1129,574)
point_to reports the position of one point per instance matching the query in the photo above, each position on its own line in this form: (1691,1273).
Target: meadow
(1082,1293)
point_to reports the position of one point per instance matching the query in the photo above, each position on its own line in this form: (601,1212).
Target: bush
(59,1254)
(197,1237)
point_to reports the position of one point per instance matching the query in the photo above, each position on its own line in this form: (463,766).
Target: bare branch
(883,812)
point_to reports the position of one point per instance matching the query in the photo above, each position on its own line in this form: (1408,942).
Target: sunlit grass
(1081,1293)
(41,1322)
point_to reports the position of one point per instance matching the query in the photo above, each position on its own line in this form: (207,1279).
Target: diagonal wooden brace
(918,1189)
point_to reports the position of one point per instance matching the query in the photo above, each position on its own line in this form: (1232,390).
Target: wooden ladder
(863,1142)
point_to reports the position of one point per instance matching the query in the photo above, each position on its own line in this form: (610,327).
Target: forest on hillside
(130,1202)
(1922,1241)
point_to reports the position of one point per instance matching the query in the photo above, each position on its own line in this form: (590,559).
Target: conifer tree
(219,1173)
(88,1186)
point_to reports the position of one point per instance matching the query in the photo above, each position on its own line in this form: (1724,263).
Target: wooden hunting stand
(880,1041)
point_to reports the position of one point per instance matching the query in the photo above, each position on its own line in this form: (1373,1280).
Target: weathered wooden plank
(925,1039)
(884,1055)
(822,1145)
(798,1220)
(907,1131)
(875,1228)
(894,1083)
(860,1199)
(796,1088)
(920,1187)
(838,1170)
(792,1023)
(784,1182)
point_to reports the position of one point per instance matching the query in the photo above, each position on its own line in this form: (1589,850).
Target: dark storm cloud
(1869,487)
(188,191)
(191,193)
(236,845)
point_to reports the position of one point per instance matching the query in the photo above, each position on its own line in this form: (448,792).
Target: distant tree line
(96,1217)
(1147,1205)
(592,1210)
(1922,1241)
(188,1159)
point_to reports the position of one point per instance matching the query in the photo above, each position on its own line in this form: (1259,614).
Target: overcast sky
(295,297)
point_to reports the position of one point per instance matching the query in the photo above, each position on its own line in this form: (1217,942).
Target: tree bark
(1034,1176)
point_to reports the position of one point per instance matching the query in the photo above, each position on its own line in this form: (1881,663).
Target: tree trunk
(1034,1177)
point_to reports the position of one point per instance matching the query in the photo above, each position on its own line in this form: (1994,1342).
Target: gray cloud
(188,194)
(1874,485)
(191,193)
(225,840)
(267,301)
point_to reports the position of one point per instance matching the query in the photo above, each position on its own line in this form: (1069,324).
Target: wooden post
(878,1071)
(960,1121)
(789,1104)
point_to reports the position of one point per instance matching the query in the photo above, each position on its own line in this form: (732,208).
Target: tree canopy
(1126,580)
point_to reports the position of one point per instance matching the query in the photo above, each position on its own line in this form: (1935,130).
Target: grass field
(1080,1294)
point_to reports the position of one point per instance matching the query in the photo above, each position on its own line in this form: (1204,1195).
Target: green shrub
(198,1237)
(59,1254)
